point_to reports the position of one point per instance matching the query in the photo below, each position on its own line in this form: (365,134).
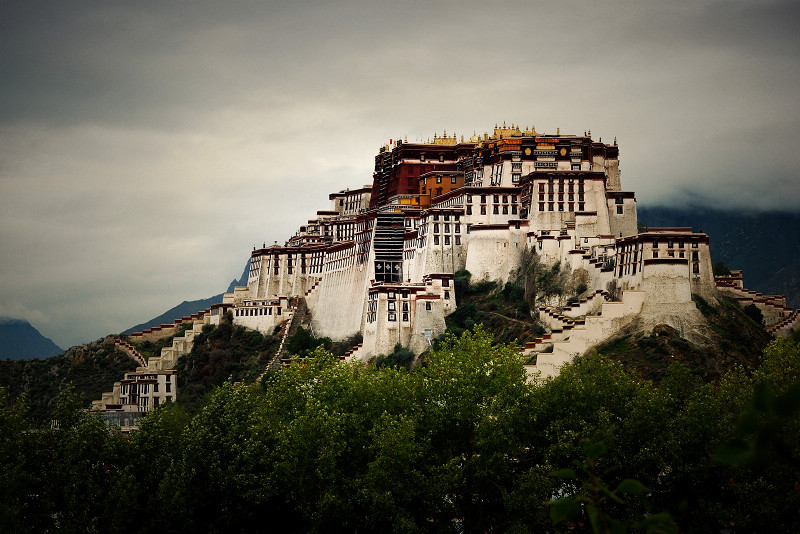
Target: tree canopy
(462,444)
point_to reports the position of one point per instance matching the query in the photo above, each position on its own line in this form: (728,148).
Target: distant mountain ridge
(188,307)
(19,340)
(765,245)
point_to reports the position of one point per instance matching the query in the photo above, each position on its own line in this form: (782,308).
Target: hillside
(733,340)
(729,337)
(91,368)
(765,245)
(19,340)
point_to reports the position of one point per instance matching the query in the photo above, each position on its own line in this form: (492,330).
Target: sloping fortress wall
(382,258)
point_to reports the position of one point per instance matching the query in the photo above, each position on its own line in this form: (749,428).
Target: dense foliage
(463,443)
(90,368)
(223,352)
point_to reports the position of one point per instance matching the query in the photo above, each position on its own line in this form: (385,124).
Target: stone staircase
(785,327)
(773,307)
(572,336)
(275,362)
(180,346)
(313,287)
(166,360)
(352,354)
(128,349)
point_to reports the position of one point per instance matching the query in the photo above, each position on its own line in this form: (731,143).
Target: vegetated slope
(503,312)
(766,245)
(92,369)
(730,337)
(734,339)
(19,340)
(220,353)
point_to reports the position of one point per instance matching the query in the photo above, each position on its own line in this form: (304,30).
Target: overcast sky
(146,147)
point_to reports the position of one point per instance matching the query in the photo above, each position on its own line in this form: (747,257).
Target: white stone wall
(666,282)
(622,224)
(261,315)
(409,314)
(338,310)
(494,252)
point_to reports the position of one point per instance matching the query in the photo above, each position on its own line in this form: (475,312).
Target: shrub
(754,312)
(400,357)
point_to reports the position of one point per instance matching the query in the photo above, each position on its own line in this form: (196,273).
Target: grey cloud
(146,147)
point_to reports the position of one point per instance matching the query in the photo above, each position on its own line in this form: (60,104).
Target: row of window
(570,206)
(495,198)
(142,389)
(681,254)
(495,209)
(252,312)
(570,197)
(551,188)
(671,243)
(456,241)
(456,228)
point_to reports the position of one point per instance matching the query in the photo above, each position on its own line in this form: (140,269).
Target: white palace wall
(338,309)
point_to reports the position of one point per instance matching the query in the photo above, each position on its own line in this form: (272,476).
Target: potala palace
(381,259)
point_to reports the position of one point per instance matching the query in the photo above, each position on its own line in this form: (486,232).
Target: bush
(720,269)
(754,312)
(401,357)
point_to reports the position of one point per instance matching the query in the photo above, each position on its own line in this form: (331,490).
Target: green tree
(475,417)
(17,481)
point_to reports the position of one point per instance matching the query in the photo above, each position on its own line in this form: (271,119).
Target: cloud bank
(146,147)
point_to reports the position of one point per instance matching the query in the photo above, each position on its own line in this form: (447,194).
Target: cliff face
(19,340)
